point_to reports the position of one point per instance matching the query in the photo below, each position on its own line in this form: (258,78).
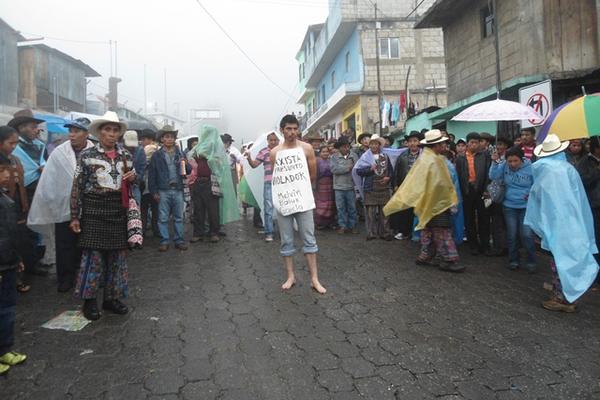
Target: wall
(27,86)
(353,75)
(9,66)
(71,79)
(536,37)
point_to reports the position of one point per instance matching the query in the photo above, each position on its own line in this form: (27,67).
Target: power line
(242,50)
(415,9)
(287,3)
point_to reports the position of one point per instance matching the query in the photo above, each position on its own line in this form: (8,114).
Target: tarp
(559,212)
(428,188)
(210,146)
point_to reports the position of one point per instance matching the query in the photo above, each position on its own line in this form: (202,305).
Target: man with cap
(472,170)
(558,211)
(167,168)
(51,204)
(341,164)
(235,157)
(315,140)
(402,222)
(31,152)
(428,188)
(362,144)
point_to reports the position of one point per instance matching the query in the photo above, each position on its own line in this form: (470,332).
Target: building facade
(340,81)
(51,80)
(538,40)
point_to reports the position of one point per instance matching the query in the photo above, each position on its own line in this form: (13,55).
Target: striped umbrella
(578,119)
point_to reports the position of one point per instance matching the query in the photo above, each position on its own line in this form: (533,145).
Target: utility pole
(378,69)
(111,57)
(145,93)
(165,90)
(497,45)
(116,63)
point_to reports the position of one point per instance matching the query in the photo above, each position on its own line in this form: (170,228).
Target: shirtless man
(289,128)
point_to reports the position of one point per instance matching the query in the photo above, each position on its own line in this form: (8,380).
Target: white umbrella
(498,110)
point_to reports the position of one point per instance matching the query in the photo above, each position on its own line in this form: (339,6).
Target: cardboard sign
(292,189)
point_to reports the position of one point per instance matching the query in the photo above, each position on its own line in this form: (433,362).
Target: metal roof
(88,71)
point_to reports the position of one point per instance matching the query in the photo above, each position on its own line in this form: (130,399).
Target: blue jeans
(137,195)
(514,228)
(8,302)
(171,203)
(345,201)
(268,208)
(306,229)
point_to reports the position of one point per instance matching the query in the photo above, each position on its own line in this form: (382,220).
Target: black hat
(147,133)
(473,136)
(341,141)
(23,117)
(226,138)
(362,136)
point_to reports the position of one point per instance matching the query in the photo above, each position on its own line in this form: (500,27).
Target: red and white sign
(538,97)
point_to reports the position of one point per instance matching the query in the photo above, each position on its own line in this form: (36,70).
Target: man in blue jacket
(166,171)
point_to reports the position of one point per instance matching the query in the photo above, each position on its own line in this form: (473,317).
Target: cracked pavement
(212,323)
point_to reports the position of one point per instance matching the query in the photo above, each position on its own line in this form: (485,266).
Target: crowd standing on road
(94,197)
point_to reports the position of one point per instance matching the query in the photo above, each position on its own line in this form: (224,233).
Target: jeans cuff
(287,253)
(311,249)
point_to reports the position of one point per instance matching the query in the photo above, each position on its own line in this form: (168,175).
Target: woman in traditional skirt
(324,194)
(377,189)
(99,217)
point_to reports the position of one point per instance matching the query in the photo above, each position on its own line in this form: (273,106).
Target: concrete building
(9,64)
(338,67)
(52,80)
(538,40)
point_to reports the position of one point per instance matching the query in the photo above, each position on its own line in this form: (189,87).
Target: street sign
(538,97)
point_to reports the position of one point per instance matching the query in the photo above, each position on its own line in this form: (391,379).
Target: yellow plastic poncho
(428,188)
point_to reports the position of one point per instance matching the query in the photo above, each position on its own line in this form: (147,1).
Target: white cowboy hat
(130,139)
(551,145)
(378,138)
(109,117)
(434,136)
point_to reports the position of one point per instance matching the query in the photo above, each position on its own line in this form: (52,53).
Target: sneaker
(555,304)
(181,246)
(269,238)
(399,236)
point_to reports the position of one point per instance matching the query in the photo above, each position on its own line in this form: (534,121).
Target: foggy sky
(204,69)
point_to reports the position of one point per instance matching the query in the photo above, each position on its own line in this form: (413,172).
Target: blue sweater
(518,183)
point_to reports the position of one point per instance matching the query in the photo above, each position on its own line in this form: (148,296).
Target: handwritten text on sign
(292,191)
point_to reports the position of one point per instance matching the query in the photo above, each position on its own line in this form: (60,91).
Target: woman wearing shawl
(324,195)
(429,189)
(376,188)
(213,166)
(557,195)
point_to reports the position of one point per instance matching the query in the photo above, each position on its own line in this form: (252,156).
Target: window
(322,94)
(487,22)
(347,61)
(301,71)
(389,48)
(333,80)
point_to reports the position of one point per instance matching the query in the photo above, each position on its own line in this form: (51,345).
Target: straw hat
(377,138)
(110,117)
(551,145)
(434,136)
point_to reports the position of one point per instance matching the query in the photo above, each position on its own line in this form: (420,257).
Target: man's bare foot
(318,287)
(288,284)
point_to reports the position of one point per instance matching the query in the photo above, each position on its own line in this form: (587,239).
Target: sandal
(13,358)
(23,288)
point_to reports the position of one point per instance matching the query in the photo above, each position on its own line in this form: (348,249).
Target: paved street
(211,323)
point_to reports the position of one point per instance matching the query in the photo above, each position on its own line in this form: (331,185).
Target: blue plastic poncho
(559,212)
(210,146)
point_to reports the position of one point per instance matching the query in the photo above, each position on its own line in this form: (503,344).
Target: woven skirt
(103,222)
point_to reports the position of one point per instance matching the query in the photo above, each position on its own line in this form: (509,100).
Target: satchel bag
(497,190)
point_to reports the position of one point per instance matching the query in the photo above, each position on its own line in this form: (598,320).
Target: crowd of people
(90,200)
